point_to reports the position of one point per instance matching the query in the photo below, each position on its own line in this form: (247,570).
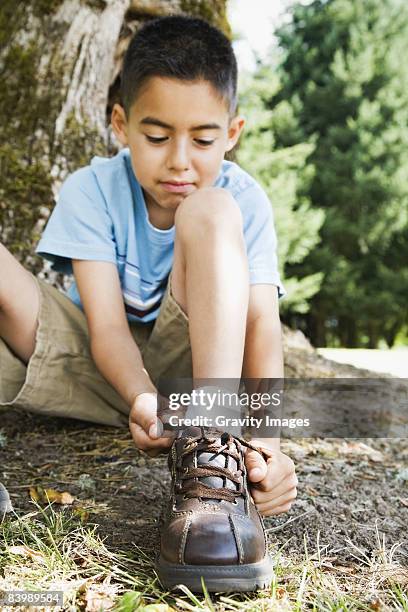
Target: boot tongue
(190,432)
(211,458)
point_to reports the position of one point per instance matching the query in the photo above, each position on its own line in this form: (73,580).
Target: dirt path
(393,362)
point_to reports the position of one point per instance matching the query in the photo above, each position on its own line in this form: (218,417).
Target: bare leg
(210,281)
(19,306)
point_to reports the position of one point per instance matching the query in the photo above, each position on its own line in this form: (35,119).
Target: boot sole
(225,578)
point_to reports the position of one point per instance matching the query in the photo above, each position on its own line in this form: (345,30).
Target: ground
(393,362)
(343,545)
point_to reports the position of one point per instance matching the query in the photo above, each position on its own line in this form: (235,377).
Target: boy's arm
(113,348)
(263,356)
(263,359)
(274,483)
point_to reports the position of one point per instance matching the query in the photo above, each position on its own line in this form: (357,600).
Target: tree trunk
(317,330)
(390,334)
(60,62)
(352,341)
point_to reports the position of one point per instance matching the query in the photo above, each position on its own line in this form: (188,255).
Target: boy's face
(177,133)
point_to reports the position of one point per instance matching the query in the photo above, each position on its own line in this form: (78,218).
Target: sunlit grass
(50,549)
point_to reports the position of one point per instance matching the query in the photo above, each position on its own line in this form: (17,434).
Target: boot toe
(210,541)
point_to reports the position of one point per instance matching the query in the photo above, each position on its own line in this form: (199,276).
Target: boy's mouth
(177,187)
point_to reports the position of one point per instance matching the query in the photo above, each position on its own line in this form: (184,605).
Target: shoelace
(208,443)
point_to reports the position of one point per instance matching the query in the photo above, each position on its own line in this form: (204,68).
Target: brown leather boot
(211,528)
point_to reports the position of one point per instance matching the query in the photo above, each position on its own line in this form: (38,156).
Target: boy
(167,203)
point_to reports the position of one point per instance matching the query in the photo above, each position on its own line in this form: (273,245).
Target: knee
(207,210)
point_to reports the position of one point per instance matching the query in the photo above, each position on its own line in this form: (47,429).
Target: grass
(52,549)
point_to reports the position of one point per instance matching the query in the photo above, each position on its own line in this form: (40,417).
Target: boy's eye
(205,143)
(159,139)
(156,139)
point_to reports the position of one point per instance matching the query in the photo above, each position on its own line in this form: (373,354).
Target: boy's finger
(276,502)
(155,429)
(263,494)
(146,414)
(255,465)
(144,442)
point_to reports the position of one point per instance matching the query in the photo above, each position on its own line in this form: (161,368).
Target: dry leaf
(34,494)
(82,514)
(100,596)
(46,496)
(27,552)
(359,448)
(281,592)
(311,491)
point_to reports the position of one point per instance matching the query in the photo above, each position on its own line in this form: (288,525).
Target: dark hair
(179,47)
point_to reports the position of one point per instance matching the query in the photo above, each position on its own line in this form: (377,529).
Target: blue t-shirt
(101,215)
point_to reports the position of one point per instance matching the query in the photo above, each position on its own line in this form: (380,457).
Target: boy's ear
(119,123)
(235,128)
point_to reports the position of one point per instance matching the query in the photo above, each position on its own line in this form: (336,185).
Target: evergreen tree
(283,172)
(344,76)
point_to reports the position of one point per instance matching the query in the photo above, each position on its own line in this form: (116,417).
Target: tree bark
(60,62)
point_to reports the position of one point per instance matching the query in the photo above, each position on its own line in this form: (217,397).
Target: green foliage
(214,11)
(285,175)
(346,88)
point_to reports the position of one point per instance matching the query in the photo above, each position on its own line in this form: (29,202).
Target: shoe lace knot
(188,481)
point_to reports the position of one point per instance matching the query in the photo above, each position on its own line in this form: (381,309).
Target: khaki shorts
(61,378)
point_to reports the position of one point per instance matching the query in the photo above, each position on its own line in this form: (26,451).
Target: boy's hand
(146,428)
(273,482)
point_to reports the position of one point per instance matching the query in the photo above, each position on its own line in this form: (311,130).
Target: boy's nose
(178,158)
